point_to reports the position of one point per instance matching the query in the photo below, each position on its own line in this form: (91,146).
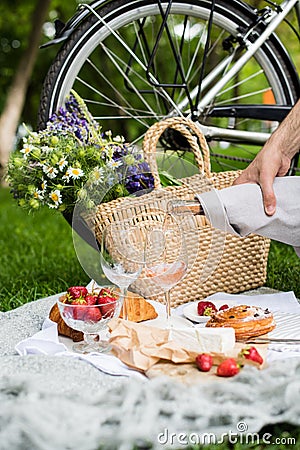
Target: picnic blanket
(50,402)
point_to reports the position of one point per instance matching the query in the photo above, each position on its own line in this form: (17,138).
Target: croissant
(247,321)
(62,327)
(137,308)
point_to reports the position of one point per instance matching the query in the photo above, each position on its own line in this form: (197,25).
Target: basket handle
(181,124)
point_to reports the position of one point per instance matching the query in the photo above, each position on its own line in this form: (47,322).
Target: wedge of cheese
(205,340)
(222,341)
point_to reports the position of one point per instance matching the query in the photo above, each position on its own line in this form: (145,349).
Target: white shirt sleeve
(239,210)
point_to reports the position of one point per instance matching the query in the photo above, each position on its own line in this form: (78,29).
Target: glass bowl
(92,320)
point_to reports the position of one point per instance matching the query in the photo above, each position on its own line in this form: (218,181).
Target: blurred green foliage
(15,25)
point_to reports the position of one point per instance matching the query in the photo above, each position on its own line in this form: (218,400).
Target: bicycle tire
(76,56)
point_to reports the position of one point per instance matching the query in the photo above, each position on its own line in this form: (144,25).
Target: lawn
(38,259)
(37,256)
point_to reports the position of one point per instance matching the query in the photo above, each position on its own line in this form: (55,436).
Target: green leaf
(168,180)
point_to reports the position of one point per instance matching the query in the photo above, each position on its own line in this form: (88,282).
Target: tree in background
(16,94)
(21,35)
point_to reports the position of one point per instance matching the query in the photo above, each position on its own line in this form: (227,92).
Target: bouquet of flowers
(73,159)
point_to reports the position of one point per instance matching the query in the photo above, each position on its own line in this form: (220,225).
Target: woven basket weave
(221,262)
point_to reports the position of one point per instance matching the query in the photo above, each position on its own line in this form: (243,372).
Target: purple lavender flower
(139,181)
(120,151)
(72,120)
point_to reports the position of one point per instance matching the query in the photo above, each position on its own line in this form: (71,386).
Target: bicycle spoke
(209,79)
(110,101)
(109,83)
(119,93)
(250,94)
(144,53)
(121,71)
(239,83)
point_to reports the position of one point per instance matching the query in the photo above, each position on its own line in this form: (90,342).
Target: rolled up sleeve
(239,210)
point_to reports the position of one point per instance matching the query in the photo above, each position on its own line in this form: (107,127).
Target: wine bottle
(184,207)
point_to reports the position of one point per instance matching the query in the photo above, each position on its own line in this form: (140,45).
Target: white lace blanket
(68,406)
(57,403)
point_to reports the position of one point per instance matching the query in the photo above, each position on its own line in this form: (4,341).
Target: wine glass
(166,260)
(122,255)
(92,320)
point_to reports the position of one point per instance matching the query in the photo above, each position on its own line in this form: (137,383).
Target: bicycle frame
(274,20)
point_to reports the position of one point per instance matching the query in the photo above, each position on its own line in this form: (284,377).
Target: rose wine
(167,275)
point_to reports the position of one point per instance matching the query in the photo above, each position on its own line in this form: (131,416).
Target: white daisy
(44,185)
(74,172)
(114,164)
(97,175)
(56,197)
(50,171)
(66,176)
(62,163)
(27,148)
(38,195)
(52,205)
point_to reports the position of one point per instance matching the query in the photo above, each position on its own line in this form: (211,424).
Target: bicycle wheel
(132,71)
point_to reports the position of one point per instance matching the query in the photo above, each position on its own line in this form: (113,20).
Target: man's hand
(268,164)
(274,159)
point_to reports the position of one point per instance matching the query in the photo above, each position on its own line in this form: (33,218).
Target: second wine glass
(166,259)
(121,256)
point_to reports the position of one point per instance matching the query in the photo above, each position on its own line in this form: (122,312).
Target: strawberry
(79,311)
(92,314)
(79,308)
(107,301)
(106,292)
(75,292)
(223,307)
(107,306)
(228,368)
(91,299)
(204,362)
(68,312)
(252,354)
(205,308)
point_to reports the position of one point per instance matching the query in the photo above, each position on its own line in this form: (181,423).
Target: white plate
(190,311)
(287,327)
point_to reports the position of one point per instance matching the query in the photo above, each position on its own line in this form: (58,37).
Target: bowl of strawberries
(90,313)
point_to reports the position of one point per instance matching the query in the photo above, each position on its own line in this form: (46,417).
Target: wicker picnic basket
(220,262)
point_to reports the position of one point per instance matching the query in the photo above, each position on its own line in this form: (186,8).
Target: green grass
(283,269)
(37,256)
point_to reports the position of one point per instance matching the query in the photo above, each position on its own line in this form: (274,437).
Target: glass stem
(124,306)
(168,304)
(91,339)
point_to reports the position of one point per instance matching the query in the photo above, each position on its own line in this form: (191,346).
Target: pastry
(62,327)
(138,309)
(247,321)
